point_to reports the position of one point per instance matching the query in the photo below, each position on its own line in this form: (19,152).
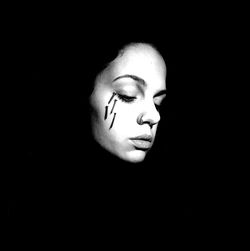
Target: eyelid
(130,86)
(125,86)
(125,92)
(160,98)
(126,98)
(160,103)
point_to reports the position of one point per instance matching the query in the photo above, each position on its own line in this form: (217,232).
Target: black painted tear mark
(112,121)
(113,106)
(112,97)
(106,112)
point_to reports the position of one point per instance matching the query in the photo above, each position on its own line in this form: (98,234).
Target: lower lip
(141,144)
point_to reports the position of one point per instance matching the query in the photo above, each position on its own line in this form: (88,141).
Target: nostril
(139,119)
(150,115)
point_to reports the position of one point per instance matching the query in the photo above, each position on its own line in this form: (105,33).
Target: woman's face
(125,102)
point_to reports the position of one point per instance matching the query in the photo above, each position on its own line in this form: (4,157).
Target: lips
(143,142)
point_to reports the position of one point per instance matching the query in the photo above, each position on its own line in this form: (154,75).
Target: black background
(192,141)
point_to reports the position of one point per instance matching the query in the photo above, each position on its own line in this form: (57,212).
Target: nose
(149,115)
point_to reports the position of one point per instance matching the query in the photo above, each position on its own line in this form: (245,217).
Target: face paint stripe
(106,112)
(113,106)
(112,121)
(112,97)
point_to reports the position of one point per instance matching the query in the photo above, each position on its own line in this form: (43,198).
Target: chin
(135,156)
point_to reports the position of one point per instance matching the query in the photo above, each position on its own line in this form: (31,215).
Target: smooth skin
(137,76)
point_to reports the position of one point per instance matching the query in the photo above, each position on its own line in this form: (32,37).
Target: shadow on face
(125,100)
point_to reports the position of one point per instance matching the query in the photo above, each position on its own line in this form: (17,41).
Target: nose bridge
(150,113)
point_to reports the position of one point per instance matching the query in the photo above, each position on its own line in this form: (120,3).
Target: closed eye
(158,106)
(126,99)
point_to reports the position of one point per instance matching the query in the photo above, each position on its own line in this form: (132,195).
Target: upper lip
(145,137)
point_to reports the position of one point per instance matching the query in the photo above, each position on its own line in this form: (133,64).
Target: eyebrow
(160,93)
(136,78)
(141,81)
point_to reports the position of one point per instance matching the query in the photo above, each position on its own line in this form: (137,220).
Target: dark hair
(69,69)
(93,57)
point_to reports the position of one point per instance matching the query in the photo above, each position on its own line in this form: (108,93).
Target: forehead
(143,61)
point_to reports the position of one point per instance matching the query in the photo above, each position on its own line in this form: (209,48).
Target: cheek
(126,115)
(154,129)
(97,103)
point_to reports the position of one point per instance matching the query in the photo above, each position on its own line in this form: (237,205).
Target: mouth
(143,142)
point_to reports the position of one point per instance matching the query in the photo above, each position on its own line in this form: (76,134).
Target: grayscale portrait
(110,118)
(125,101)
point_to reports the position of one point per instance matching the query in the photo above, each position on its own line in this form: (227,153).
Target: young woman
(125,101)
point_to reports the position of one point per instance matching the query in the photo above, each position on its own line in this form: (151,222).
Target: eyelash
(126,99)
(129,99)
